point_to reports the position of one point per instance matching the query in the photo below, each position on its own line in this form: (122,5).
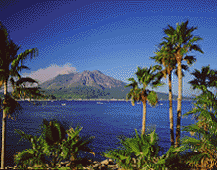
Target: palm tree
(168,60)
(9,68)
(204,80)
(146,76)
(205,147)
(182,42)
(169,63)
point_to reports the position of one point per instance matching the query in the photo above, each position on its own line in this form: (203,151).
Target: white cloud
(50,72)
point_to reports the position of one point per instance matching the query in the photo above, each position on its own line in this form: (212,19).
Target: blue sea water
(106,122)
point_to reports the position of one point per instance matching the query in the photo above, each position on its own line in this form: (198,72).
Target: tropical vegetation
(165,57)
(181,41)
(146,76)
(56,144)
(135,153)
(205,144)
(88,92)
(52,146)
(10,65)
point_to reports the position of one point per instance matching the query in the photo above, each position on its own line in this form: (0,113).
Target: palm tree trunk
(171,110)
(179,102)
(144,117)
(4,129)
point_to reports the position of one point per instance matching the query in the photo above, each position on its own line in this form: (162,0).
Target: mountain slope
(89,84)
(87,78)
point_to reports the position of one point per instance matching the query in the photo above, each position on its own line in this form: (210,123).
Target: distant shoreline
(91,100)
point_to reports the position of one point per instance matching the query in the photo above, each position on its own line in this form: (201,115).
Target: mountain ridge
(90,84)
(87,78)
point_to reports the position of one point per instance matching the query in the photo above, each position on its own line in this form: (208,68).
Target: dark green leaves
(204,79)
(205,128)
(181,38)
(10,105)
(190,59)
(24,80)
(146,76)
(53,143)
(54,132)
(152,98)
(138,152)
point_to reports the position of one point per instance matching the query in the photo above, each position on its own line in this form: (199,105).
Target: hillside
(87,85)
(87,78)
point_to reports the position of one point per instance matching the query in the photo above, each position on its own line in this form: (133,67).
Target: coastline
(88,100)
(76,100)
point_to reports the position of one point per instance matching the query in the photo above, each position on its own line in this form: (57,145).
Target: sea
(107,121)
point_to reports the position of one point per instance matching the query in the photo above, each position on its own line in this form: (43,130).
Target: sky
(113,37)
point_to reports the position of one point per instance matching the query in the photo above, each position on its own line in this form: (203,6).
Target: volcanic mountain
(89,84)
(87,78)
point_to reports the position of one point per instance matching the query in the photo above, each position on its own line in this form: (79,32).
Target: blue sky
(113,37)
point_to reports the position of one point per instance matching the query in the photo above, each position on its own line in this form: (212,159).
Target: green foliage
(145,76)
(138,152)
(205,141)
(10,105)
(55,145)
(152,98)
(182,40)
(88,93)
(32,156)
(166,57)
(53,132)
(205,79)
(11,64)
(134,151)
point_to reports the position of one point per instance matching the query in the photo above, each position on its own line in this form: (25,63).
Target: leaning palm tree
(168,60)
(146,76)
(10,66)
(182,42)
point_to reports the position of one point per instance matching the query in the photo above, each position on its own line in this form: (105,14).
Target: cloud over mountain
(50,72)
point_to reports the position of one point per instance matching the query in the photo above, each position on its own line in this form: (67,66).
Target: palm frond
(169,31)
(24,80)
(12,82)
(152,98)
(23,56)
(196,48)
(11,106)
(20,68)
(204,79)
(190,59)
(133,83)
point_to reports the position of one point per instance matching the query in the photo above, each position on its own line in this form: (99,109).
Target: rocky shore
(107,164)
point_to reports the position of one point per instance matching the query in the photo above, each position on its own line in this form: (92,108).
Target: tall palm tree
(169,63)
(146,76)
(182,42)
(10,66)
(165,57)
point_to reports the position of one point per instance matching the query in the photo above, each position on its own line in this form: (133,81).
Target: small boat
(138,102)
(99,103)
(161,104)
(63,104)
